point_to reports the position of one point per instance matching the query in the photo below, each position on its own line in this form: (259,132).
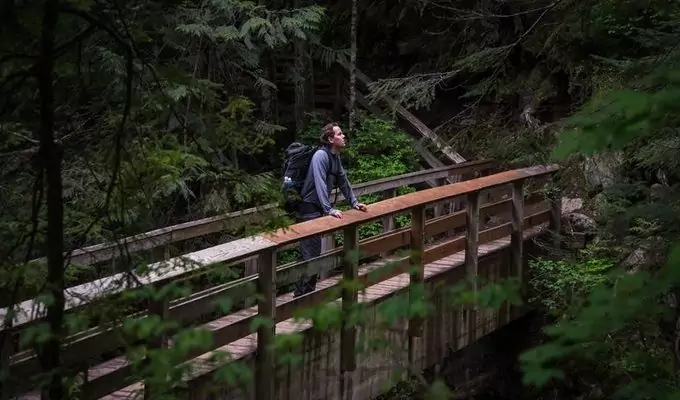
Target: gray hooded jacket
(325,172)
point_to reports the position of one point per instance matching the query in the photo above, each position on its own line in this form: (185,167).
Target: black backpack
(296,162)
(295,165)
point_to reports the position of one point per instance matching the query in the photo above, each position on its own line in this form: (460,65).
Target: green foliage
(615,331)
(157,117)
(617,326)
(559,285)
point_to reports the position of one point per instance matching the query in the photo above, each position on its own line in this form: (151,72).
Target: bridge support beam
(417,274)
(517,236)
(556,216)
(388,223)
(266,308)
(158,307)
(472,259)
(350,299)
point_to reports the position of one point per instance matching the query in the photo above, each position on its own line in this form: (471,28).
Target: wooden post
(439,207)
(158,307)
(471,257)
(251,266)
(415,325)
(388,222)
(6,351)
(327,244)
(266,308)
(556,217)
(416,275)
(350,298)
(160,253)
(517,236)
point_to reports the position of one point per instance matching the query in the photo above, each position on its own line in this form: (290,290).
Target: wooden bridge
(491,238)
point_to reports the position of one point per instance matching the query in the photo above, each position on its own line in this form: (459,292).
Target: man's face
(338,138)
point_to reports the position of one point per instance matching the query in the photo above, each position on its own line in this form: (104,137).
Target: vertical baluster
(156,307)
(417,268)
(556,216)
(266,308)
(160,253)
(439,207)
(251,266)
(517,236)
(471,257)
(327,244)
(388,222)
(350,297)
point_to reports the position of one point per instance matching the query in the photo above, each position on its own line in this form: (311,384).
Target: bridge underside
(318,376)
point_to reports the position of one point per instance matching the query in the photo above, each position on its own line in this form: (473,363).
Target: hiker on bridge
(324,173)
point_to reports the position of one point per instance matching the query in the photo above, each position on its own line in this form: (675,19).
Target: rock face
(571,205)
(577,227)
(600,170)
(574,221)
(578,223)
(635,259)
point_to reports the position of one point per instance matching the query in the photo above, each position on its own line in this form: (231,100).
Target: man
(325,172)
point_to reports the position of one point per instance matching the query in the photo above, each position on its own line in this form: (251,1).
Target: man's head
(332,135)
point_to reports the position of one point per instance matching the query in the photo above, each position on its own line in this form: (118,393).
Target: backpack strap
(331,162)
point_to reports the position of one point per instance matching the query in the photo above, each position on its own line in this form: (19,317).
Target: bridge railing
(31,311)
(160,239)
(97,341)
(80,350)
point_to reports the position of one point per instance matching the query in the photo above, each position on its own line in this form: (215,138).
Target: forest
(118,118)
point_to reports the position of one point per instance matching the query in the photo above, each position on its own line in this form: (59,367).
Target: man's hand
(361,207)
(335,213)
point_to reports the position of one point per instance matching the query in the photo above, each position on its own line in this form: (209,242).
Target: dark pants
(310,248)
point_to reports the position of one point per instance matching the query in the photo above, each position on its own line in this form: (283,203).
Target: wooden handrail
(403,203)
(266,246)
(188,230)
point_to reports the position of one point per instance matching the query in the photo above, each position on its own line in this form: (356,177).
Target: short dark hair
(327,132)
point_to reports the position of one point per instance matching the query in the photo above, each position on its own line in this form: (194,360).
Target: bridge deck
(241,348)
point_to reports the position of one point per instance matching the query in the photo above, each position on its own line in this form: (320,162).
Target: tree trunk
(299,79)
(353,68)
(50,161)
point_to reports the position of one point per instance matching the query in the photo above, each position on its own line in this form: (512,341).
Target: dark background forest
(121,117)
